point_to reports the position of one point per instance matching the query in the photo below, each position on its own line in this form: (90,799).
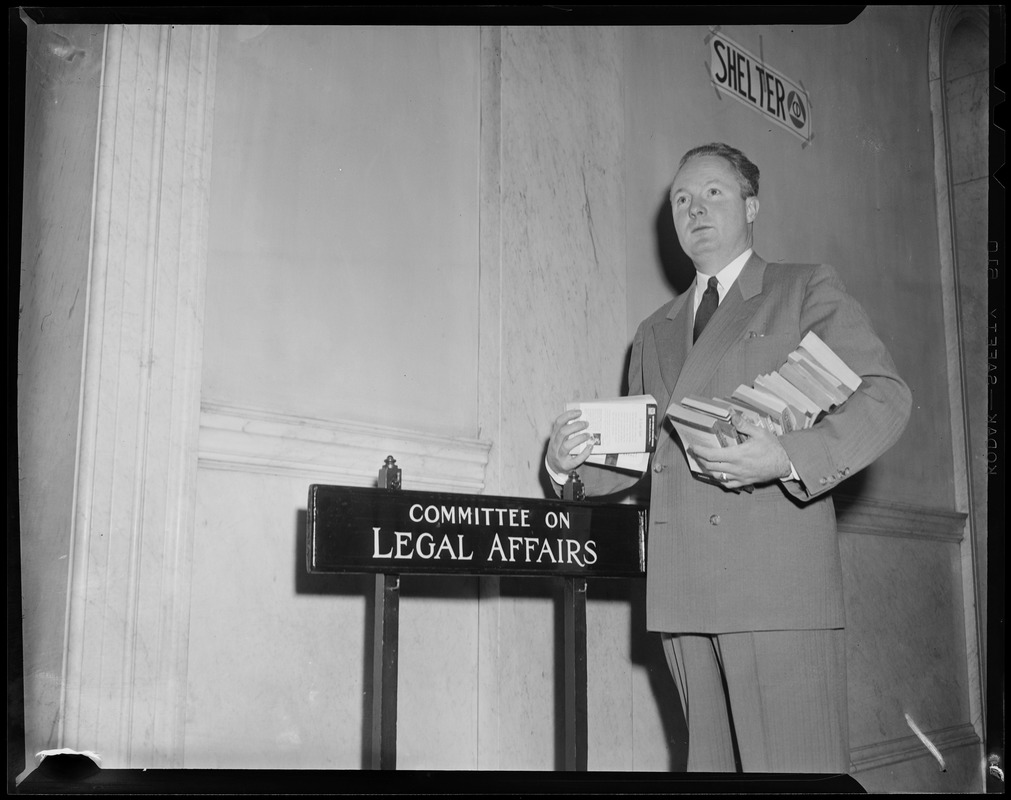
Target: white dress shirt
(725,279)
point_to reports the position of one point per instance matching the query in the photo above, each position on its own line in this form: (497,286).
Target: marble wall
(341,327)
(344,225)
(552,324)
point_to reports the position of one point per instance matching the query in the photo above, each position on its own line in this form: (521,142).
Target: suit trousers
(766,701)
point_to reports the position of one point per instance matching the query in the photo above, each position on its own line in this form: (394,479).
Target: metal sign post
(385,642)
(575,655)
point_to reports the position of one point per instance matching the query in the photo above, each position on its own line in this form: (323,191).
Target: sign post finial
(389,474)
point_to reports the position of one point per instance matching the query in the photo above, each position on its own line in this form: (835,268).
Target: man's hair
(747,172)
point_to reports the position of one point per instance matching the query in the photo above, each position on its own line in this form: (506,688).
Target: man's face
(712,220)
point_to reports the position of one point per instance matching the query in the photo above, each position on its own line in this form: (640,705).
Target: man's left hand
(761,458)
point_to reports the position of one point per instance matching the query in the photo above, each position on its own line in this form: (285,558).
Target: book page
(619,426)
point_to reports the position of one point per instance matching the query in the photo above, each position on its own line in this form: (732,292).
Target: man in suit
(745,587)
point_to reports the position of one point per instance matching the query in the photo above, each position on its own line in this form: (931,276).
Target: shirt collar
(726,277)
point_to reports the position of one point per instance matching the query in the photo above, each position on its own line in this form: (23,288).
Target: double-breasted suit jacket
(720,561)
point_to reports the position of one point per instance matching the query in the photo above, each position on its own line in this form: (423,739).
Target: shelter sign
(744,76)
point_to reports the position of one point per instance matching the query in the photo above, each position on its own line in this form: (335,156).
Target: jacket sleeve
(845,441)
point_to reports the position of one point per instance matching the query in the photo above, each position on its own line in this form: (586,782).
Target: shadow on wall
(647,653)
(678,269)
(341,585)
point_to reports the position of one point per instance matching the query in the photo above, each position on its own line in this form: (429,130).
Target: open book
(812,382)
(624,430)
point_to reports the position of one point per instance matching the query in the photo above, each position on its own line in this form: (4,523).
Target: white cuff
(561,480)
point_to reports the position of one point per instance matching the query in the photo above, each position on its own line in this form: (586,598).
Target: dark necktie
(710,300)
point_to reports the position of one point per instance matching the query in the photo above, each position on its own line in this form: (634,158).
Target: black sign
(388,531)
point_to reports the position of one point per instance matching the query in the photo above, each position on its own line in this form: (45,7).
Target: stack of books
(813,381)
(624,430)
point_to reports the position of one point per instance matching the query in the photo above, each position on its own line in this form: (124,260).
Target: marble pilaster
(128,609)
(554,250)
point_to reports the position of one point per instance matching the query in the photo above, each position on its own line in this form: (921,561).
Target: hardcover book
(812,382)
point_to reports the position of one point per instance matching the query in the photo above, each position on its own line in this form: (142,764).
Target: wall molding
(908,748)
(341,452)
(871,516)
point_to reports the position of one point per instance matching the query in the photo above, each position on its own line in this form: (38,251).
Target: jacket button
(822,481)
(714,519)
(658,468)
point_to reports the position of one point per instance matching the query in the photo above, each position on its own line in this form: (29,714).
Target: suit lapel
(726,327)
(670,342)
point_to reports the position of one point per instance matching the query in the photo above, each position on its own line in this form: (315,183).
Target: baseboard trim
(876,517)
(908,748)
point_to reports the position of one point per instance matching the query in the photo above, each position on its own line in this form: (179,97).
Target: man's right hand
(566,437)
